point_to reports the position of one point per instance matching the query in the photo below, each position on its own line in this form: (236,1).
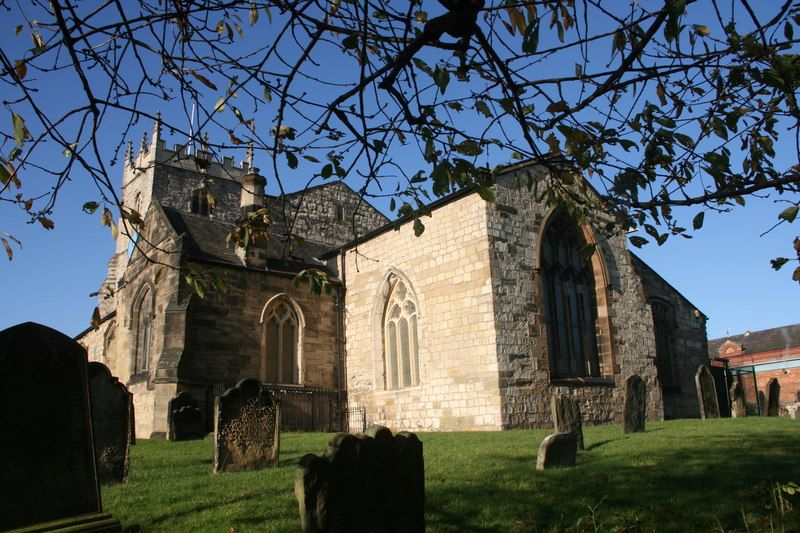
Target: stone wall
(94,340)
(157,266)
(333,214)
(688,343)
(224,335)
(447,268)
(625,338)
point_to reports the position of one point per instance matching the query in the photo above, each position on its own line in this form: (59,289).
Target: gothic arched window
(142,326)
(281,344)
(663,327)
(569,300)
(202,202)
(400,336)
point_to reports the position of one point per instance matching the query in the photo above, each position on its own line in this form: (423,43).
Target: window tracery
(281,344)
(401,339)
(569,301)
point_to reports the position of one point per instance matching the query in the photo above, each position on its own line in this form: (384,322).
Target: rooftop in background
(765,340)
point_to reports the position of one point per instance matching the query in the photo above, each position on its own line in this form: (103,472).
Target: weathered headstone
(738,409)
(367,482)
(794,410)
(48,465)
(558,449)
(773,397)
(706,393)
(184,418)
(247,420)
(567,417)
(634,407)
(111,409)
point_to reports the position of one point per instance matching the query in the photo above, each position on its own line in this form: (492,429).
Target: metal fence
(753,398)
(307,408)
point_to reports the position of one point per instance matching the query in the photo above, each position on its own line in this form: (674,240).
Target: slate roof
(760,341)
(206,240)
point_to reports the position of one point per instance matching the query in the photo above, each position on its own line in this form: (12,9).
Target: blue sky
(724,270)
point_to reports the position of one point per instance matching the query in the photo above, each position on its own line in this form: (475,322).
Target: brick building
(473,325)
(769,353)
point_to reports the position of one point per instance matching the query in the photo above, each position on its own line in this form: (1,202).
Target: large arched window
(400,337)
(142,329)
(569,300)
(664,327)
(281,342)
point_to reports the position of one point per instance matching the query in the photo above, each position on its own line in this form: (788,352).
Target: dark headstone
(706,393)
(111,409)
(247,420)
(184,418)
(567,417)
(738,409)
(132,419)
(558,449)
(773,397)
(634,406)
(48,466)
(367,482)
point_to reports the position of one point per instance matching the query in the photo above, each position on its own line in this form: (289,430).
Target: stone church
(471,326)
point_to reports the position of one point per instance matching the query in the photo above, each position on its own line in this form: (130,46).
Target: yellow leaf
(661,94)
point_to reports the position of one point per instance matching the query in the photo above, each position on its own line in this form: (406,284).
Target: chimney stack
(253,184)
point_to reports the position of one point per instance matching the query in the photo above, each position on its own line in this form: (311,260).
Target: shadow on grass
(598,444)
(665,486)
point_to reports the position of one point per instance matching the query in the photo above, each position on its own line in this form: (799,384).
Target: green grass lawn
(687,475)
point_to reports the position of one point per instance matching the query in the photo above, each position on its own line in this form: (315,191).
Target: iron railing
(305,408)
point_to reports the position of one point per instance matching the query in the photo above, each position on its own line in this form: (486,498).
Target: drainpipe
(339,307)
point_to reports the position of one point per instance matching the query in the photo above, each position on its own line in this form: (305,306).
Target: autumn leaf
(20,68)
(205,81)
(46,222)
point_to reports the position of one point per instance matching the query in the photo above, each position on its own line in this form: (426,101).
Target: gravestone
(48,465)
(773,397)
(634,407)
(184,418)
(567,417)
(558,449)
(738,409)
(367,482)
(111,409)
(706,393)
(132,420)
(794,410)
(247,420)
